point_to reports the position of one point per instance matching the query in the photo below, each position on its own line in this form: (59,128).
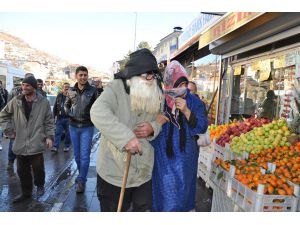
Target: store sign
(194,28)
(229,23)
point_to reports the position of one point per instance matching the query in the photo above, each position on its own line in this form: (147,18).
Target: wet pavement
(57,166)
(60,194)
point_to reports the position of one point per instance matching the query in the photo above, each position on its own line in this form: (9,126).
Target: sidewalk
(69,201)
(58,170)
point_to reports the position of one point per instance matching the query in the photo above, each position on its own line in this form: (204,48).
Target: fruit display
(233,132)
(286,159)
(268,136)
(251,175)
(216,131)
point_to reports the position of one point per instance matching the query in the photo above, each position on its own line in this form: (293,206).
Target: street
(60,195)
(58,168)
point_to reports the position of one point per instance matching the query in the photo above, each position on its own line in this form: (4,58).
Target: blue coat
(174,180)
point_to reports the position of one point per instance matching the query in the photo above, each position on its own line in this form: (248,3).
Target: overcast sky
(92,39)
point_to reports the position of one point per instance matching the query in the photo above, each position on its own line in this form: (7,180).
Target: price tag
(264,75)
(290,59)
(237,70)
(279,62)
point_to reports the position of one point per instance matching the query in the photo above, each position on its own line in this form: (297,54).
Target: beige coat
(111,114)
(30,135)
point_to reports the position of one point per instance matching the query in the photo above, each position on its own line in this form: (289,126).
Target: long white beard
(145,96)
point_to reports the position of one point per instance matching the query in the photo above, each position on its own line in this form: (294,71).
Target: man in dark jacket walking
(17,90)
(62,120)
(79,101)
(3,102)
(40,90)
(28,119)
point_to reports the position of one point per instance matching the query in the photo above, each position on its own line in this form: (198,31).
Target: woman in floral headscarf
(176,152)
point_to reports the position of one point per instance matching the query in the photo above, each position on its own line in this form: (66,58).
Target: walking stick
(124,181)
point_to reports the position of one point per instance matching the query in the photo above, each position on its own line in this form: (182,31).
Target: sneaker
(66,149)
(10,166)
(21,198)
(80,187)
(1,147)
(53,149)
(40,190)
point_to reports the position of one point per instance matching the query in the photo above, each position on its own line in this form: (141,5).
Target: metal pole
(134,44)
(219,90)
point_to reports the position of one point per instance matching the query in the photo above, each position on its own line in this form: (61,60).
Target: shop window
(261,79)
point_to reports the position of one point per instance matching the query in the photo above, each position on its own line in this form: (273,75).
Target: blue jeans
(1,135)
(62,124)
(82,144)
(11,155)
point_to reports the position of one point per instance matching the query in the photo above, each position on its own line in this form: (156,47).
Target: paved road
(60,193)
(55,165)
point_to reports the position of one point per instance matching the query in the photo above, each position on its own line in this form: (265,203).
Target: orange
(270,189)
(289,191)
(281,192)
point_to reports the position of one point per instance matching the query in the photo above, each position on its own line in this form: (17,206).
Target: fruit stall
(252,166)
(252,163)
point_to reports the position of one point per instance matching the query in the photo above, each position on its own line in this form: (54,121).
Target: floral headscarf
(174,71)
(174,75)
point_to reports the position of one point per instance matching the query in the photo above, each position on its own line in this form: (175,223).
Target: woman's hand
(180,104)
(162,119)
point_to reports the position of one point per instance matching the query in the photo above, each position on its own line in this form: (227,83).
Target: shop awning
(260,27)
(226,24)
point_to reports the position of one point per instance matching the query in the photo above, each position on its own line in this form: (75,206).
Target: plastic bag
(204,139)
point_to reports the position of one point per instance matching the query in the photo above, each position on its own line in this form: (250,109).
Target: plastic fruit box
(252,201)
(272,168)
(204,174)
(224,153)
(219,176)
(205,158)
(297,194)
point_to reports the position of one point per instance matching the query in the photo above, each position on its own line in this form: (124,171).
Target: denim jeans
(11,155)
(82,144)
(62,124)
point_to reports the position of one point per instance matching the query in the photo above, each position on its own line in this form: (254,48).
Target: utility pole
(134,44)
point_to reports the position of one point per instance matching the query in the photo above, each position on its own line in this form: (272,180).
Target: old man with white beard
(126,114)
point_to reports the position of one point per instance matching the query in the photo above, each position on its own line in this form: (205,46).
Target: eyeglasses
(150,76)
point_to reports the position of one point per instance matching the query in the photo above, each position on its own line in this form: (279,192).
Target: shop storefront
(251,164)
(253,64)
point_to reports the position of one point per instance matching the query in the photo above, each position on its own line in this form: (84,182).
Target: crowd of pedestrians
(150,115)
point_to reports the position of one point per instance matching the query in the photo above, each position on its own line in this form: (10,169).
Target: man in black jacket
(3,102)
(62,120)
(79,101)
(40,90)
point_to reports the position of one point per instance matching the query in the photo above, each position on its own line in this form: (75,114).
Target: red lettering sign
(231,21)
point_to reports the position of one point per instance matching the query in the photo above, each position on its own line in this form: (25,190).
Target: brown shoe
(80,187)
